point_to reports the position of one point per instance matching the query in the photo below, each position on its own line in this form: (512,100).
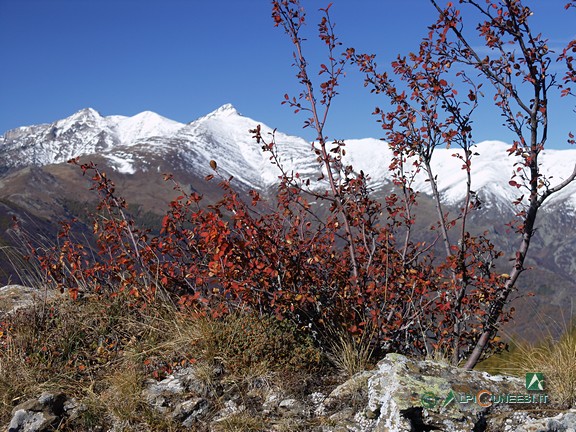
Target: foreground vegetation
(268,287)
(101,352)
(554,357)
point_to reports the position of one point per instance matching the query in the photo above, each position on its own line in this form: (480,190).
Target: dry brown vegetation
(101,351)
(555,357)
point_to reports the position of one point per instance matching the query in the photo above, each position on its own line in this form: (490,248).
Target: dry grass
(92,349)
(245,341)
(241,422)
(554,357)
(101,351)
(122,391)
(439,355)
(557,361)
(350,354)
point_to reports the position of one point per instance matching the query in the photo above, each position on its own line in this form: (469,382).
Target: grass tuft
(554,357)
(240,422)
(350,354)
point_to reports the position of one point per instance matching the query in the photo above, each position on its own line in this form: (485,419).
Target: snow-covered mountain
(83,133)
(132,144)
(38,187)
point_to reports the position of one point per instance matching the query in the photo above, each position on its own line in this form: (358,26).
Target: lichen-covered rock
(38,415)
(527,421)
(406,395)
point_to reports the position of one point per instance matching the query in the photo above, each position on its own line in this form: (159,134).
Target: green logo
(449,399)
(535,381)
(428,400)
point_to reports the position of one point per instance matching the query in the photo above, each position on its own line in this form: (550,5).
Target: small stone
(190,411)
(317,398)
(288,403)
(31,421)
(372,414)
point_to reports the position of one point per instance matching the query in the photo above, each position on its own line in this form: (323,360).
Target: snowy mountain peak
(85,118)
(226,110)
(85,114)
(144,125)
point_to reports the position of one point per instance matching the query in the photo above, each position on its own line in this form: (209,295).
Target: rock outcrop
(14,297)
(44,413)
(399,395)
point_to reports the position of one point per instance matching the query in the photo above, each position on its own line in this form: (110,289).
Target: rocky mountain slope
(37,184)
(130,144)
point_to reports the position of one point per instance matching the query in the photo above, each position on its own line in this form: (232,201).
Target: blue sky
(185,58)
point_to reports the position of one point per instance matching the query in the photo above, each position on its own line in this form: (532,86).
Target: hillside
(37,185)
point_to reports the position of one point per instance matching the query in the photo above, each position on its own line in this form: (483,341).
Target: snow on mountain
(223,135)
(144,125)
(123,163)
(371,156)
(84,132)
(492,169)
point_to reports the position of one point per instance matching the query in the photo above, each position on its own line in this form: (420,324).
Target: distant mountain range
(38,185)
(128,144)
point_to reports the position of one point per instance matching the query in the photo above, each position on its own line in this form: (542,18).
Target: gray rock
(38,415)
(352,385)
(189,411)
(31,421)
(73,408)
(159,394)
(289,404)
(171,396)
(272,400)
(405,395)
(14,297)
(192,407)
(562,422)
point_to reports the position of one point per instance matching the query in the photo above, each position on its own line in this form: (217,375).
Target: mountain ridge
(223,135)
(35,181)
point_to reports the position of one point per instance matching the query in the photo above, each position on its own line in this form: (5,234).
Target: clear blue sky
(184,58)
